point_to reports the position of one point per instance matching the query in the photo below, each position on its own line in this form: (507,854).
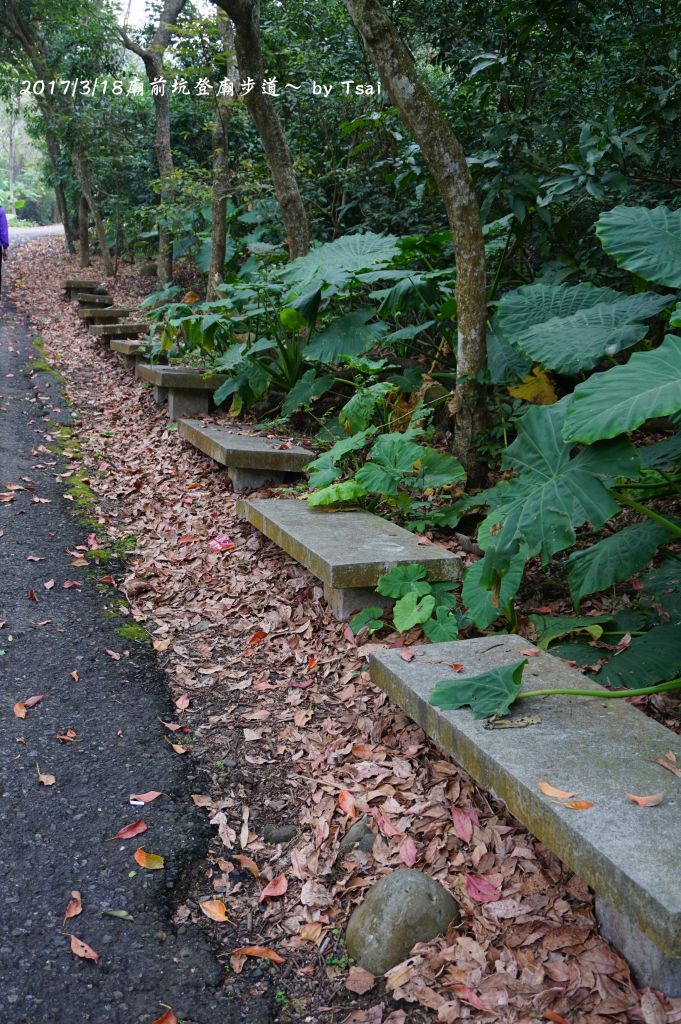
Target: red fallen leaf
(248,864)
(277,887)
(221,543)
(647,801)
(530,652)
(182,702)
(406,654)
(34,558)
(349,636)
(464,822)
(82,950)
(166,1018)
(107,579)
(173,726)
(480,890)
(257,637)
(299,684)
(544,610)
(68,584)
(145,798)
(31,594)
(346,802)
(67,737)
(385,825)
(74,907)
(132,830)
(457,666)
(19,710)
(555,1017)
(32,701)
(578,805)
(311,662)
(150,861)
(425,541)
(264,951)
(408,852)
(75,676)
(468,995)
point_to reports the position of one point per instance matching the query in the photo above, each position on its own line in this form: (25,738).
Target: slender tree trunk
(447,163)
(84,231)
(246,17)
(82,170)
(12,119)
(59,193)
(221,165)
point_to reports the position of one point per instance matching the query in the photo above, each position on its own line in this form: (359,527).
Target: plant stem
(673,684)
(672,527)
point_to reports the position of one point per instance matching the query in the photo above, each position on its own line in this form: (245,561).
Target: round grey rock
(400,910)
(355,836)
(273,834)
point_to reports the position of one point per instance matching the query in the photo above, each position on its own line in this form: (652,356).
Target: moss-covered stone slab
(235,449)
(347,551)
(123,330)
(90,300)
(599,749)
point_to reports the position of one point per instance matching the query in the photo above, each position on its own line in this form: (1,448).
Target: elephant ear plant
(491,694)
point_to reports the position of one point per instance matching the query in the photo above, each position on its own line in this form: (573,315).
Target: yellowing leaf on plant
(150,861)
(537,388)
(647,801)
(263,951)
(214,909)
(82,950)
(557,794)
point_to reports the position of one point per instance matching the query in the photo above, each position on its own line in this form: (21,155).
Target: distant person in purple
(4,240)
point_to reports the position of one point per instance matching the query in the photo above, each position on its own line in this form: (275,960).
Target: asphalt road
(57,838)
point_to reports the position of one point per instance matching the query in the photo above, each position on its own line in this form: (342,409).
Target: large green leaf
(483,607)
(649,659)
(334,494)
(438,469)
(359,411)
(554,627)
(614,559)
(393,457)
(325,469)
(662,587)
(347,335)
(404,579)
(553,494)
(570,328)
(337,262)
(624,397)
(646,242)
(304,392)
(490,693)
(412,610)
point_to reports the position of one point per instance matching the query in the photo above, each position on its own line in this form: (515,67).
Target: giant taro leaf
(347,335)
(490,693)
(662,587)
(646,242)
(649,659)
(337,262)
(624,397)
(553,494)
(482,604)
(393,457)
(570,328)
(614,559)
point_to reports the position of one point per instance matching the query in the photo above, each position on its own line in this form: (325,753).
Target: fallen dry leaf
(66,737)
(346,802)
(150,861)
(463,823)
(646,801)
(214,909)
(31,702)
(480,890)
(74,907)
(166,1018)
(75,676)
(248,864)
(578,805)
(19,710)
(136,828)
(82,950)
(182,702)
(44,778)
(257,637)
(470,996)
(668,761)
(144,798)
(557,794)
(408,852)
(359,981)
(277,887)
(263,951)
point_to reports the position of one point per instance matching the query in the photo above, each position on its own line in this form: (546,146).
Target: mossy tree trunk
(246,17)
(84,231)
(447,162)
(221,162)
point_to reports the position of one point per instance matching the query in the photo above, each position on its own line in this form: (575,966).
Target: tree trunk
(246,17)
(12,118)
(82,170)
(447,163)
(84,231)
(221,165)
(59,193)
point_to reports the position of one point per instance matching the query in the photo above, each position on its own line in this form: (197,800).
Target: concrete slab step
(598,749)
(122,330)
(347,551)
(251,459)
(129,352)
(188,390)
(94,299)
(83,284)
(104,313)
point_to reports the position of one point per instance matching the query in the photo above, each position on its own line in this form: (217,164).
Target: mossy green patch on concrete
(133,631)
(40,363)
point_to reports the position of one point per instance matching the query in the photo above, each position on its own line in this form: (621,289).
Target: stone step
(92,299)
(82,284)
(122,330)
(188,389)
(252,460)
(599,749)
(104,313)
(347,551)
(129,351)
